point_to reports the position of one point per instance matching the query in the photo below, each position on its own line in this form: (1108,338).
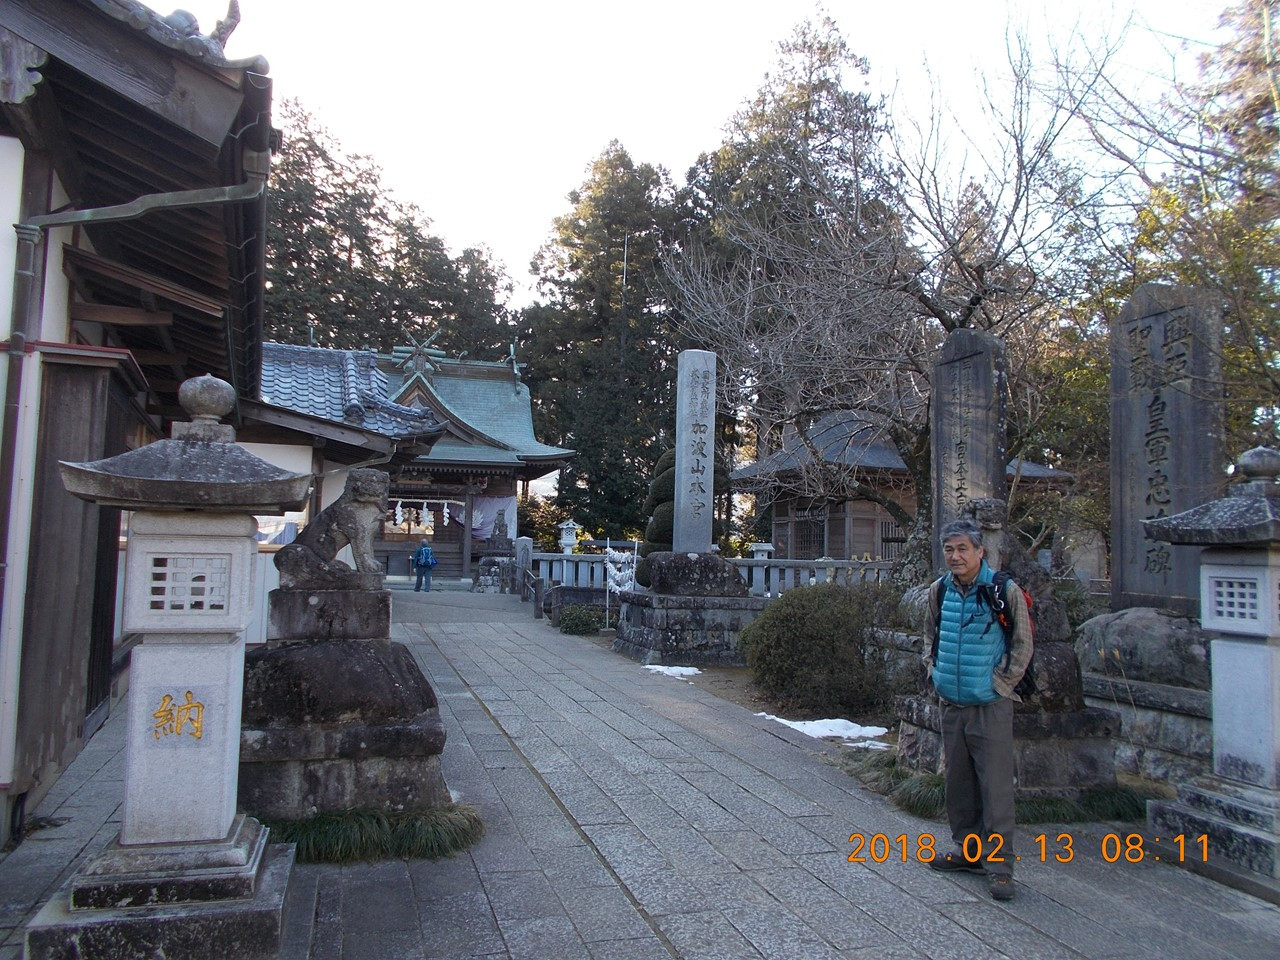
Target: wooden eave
(124,116)
(264,422)
(196,97)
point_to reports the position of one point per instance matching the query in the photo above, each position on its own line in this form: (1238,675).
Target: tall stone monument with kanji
(967,412)
(696,604)
(695,450)
(1166,438)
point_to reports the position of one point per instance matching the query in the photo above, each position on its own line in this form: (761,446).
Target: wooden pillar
(466,536)
(317,470)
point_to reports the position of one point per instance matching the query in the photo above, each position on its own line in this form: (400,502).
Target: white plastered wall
(53,326)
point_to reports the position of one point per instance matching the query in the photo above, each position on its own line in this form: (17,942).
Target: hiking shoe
(1001,886)
(952,862)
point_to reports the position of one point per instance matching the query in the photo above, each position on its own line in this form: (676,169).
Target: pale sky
(487,113)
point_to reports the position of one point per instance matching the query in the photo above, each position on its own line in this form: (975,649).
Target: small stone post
(524,563)
(188,876)
(760,575)
(1229,822)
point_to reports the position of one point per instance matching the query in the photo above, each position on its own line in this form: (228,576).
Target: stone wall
(689,631)
(1056,754)
(1151,667)
(562,595)
(1166,734)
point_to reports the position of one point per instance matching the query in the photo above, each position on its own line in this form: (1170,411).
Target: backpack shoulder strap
(1001,580)
(936,593)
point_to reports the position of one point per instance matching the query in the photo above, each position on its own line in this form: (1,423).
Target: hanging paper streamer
(399,513)
(446,515)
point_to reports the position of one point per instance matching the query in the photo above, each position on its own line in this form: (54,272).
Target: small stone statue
(351,520)
(500,526)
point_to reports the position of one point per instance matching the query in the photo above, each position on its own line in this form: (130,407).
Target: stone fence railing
(764,577)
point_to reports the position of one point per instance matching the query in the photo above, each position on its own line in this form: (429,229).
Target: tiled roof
(843,437)
(344,386)
(488,398)
(847,439)
(448,450)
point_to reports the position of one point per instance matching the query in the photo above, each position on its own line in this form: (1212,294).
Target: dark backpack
(996,596)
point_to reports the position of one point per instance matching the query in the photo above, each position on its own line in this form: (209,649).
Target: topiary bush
(581,620)
(814,649)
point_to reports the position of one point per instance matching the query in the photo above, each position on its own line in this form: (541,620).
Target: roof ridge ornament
(419,362)
(180,30)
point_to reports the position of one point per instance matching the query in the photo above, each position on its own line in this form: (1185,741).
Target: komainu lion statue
(310,562)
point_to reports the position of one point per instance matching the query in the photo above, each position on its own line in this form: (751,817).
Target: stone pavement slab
(633,816)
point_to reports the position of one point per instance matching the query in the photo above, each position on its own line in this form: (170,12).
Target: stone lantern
(1236,809)
(187,874)
(569,536)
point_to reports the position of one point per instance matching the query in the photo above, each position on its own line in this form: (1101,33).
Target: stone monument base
(492,575)
(334,725)
(329,614)
(689,631)
(1055,754)
(144,875)
(205,926)
(1243,826)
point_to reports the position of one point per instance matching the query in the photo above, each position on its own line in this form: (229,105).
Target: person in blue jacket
(423,560)
(975,682)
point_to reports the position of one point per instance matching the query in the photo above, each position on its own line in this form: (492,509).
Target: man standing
(974,670)
(423,560)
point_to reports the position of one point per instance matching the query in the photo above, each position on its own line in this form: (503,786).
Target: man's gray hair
(962,528)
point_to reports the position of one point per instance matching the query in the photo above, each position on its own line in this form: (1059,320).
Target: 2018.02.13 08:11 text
(1113,848)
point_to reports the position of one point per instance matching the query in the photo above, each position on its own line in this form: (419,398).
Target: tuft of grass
(878,770)
(356,835)
(924,795)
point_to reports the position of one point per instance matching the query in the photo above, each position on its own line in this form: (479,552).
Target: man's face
(963,558)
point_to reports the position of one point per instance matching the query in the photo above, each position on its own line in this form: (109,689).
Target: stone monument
(336,716)
(697,605)
(1229,821)
(695,450)
(188,876)
(967,426)
(1166,438)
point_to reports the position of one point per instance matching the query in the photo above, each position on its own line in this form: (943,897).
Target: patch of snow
(844,729)
(674,671)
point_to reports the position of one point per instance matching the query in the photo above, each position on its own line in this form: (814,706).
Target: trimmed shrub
(581,620)
(814,649)
(661,524)
(662,490)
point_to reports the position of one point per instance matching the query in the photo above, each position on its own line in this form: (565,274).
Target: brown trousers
(977,744)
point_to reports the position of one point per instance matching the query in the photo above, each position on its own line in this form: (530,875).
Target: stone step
(1235,803)
(1249,847)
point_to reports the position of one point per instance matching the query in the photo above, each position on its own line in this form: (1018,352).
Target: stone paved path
(633,816)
